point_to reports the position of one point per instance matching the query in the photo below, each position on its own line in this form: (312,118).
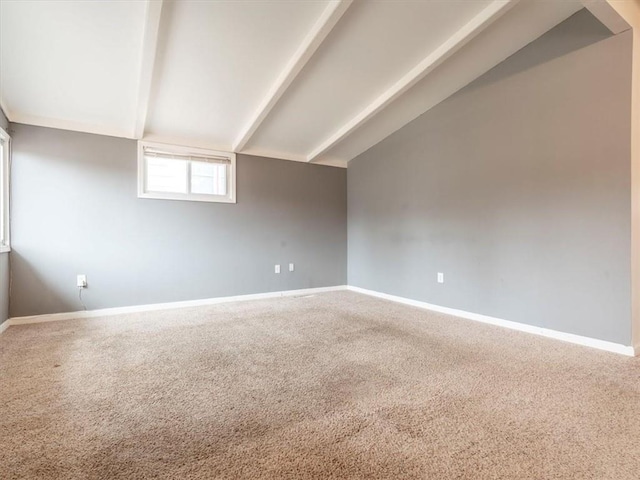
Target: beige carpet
(337,385)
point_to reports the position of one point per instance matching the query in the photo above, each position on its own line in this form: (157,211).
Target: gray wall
(4,286)
(75,211)
(4,123)
(4,257)
(517,189)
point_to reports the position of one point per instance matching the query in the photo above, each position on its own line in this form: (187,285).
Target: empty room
(309,239)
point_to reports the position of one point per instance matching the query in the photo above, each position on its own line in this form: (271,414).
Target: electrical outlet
(291,267)
(440,277)
(277,269)
(81,281)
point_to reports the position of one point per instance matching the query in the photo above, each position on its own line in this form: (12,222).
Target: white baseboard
(545,332)
(103,312)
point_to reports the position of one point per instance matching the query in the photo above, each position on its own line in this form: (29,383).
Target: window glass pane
(208,178)
(166,175)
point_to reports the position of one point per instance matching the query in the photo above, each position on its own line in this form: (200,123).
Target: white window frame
(5,172)
(230,197)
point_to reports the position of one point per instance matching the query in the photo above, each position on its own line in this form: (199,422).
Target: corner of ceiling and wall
(317,82)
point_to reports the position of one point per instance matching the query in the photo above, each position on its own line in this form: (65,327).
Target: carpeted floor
(337,385)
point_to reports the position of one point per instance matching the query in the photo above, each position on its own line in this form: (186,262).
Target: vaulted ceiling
(318,81)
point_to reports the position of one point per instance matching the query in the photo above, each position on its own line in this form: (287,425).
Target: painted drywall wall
(4,122)
(630,12)
(4,286)
(75,210)
(4,257)
(517,188)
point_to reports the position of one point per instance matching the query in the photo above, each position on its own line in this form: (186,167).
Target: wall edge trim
(522,327)
(106,312)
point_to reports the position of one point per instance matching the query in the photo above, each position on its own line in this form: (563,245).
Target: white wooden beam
(329,18)
(481,21)
(147,60)
(607,14)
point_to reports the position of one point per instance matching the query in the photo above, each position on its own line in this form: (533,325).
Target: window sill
(4,249)
(188,197)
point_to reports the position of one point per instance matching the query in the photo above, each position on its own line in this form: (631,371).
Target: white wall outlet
(291,268)
(81,281)
(440,277)
(277,269)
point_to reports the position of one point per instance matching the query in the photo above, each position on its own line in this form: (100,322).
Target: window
(180,173)
(5,160)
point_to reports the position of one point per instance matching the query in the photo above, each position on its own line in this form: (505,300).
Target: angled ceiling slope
(315,81)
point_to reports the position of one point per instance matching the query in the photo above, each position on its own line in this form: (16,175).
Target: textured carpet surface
(336,385)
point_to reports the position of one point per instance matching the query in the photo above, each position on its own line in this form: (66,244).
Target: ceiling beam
(153,11)
(481,21)
(329,18)
(607,14)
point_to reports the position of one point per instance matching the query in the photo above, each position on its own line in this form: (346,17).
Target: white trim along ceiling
(311,81)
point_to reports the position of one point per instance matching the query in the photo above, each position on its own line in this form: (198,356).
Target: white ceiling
(310,80)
